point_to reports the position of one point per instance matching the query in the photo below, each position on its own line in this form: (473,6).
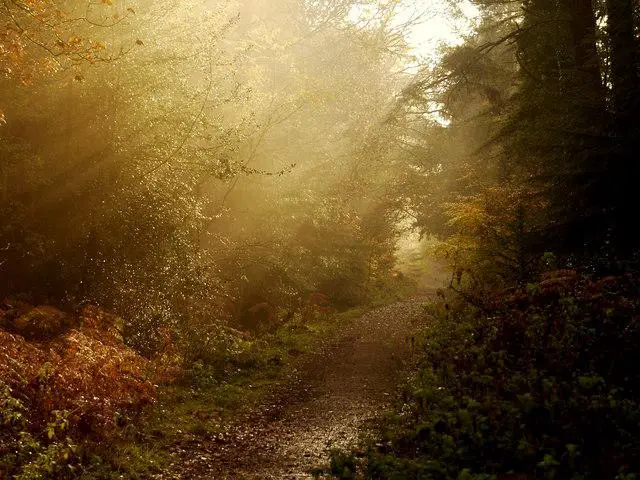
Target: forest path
(331,393)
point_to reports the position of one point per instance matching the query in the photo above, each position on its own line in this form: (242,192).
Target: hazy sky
(436,26)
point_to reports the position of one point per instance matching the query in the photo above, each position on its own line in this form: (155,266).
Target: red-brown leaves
(98,380)
(87,371)
(20,361)
(41,323)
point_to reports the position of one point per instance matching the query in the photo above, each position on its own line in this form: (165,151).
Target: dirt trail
(331,393)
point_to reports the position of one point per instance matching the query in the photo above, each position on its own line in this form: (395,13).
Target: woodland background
(176,175)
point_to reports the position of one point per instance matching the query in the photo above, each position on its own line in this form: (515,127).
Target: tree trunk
(588,79)
(625,167)
(623,58)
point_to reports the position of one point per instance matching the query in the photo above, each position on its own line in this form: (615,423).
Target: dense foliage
(516,149)
(539,383)
(210,177)
(76,389)
(192,168)
(195,169)
(516,144)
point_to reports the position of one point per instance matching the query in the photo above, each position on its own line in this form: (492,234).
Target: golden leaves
(42,39)
(467,214)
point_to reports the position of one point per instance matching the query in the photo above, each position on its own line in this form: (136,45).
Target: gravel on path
(332,392)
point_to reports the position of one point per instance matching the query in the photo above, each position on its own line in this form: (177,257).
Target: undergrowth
(539,382)
(202,401)
(77,402)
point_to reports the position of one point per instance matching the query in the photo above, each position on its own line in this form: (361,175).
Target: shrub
(25,455)
(79,386)
(538,382)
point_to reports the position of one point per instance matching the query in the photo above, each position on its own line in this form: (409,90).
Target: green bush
(539,382)
(28,456)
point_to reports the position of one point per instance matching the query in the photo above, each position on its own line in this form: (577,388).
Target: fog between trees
(184,161)
(212,170)
(181,162)
(175,160)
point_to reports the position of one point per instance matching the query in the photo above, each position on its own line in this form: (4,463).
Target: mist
(211,210)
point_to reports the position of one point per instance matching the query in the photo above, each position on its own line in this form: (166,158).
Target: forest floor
(323,402)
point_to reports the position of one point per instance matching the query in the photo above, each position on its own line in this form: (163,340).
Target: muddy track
(323,404)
